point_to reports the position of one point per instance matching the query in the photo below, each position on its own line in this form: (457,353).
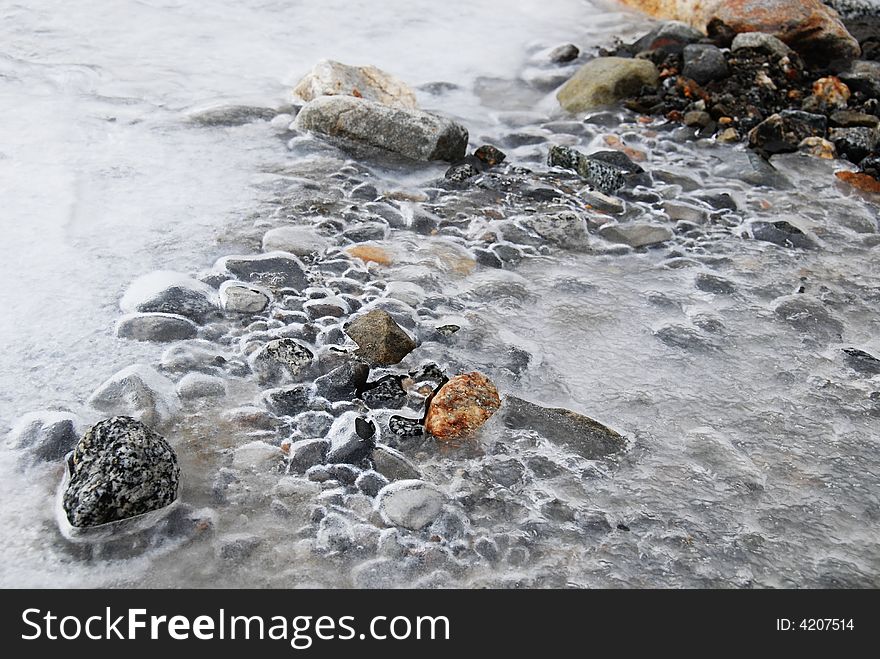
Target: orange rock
(461,406)
(831,92)
(818,147)
(860,181)
(370,254)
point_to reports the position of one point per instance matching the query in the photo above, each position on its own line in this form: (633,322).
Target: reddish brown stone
(461,406)
(860,181)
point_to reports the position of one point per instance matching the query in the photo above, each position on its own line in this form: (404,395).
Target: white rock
(258,456)
(330,78)
(301,241)
(241,297)
(412,504)
(411,294)
(199,385)
(138,391)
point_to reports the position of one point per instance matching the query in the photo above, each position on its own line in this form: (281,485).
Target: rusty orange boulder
(461,406)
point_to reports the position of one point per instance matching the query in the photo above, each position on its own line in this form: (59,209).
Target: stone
(404,427)
(279,359)
(352,439)
(256,456)
(461,406)
(119,469)
(566,229)
(200,385)
(783,132)
(170,293)
(370,254)
(863,76)
(760,41)
(807,26)
(505,471)
(138,391)
(343,382)
(288,401)
(461,172)
(704,63)
(410,133)
(604,176)
(385,393)
(850,119)
(829,93)
(366,232)
(782,233)
(809,316)
(236,547)
(274,269)
(575,432)
(714,284)
(490,155)
(331,78)
(670,36)
(818,147)
(230,115)
(159,327)
(854,143)
(307,453)
(299,241)
(392,464)
(697,119)
(334,534)
(860,181)
(370,482)
(47,436)
(563,54)
(239,297)
(195,355)
(861,361)
(332,306)
(636,234)
(411,504)
(313,423)
(381,341)
(605,81)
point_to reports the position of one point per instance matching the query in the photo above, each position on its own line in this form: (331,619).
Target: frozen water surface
(752,456)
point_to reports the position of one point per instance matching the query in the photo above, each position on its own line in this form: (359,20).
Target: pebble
(200,385)
(604,81)
(352,439)
(47,435)
(297,240)
(239,297)
(411,504)
(274,269)
(392,464)
(256,456)
(170,293)
(138,391)
(636,234)
(704,63)
(381,341)
(307,453)
(370,482)
(160,327)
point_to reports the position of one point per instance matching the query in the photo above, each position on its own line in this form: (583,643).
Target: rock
(385,393)
(45,435)
(783,132)
(239,297)
(333,306)
(352,439)
(279,359)
(575,432)
(343,382)
(461,406)
(161,327)
(714,284)
(313,423)
(505,471)
(765,43)
(566,229)
(810,316)
(170,293)
(195,355)
(850,119)
(288,401)
(808,26)
(782,233)
(636,234)
(818,147)
(861,362)
(863,76)
(490,155)
(256,456)
(370,254)
(370,482)
(200,385)
(670,36)
(829,93)
(603,176)
(236,547)
(411,504)
(275,269)
(854,143)
(334,534)
(330,78)
(120,468)
(704,63)
(697,118)
(392,464)
(404,427)
(381,341)
(604,81)
(863,182)
(138,391)
(230,115)
(299,241)
(461,172)
(307,453)
(564,53)
(411,133)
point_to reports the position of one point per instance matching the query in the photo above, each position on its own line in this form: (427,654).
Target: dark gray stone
(352,439)
(385,393)
(861,362)
(343,382)
(306,453)
(275,269)
(370,482)
(160,327)
(782,233)
(704,63)
(170,293)
(288,401)
(47,436)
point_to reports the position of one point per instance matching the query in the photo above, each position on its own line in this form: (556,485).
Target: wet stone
(411,504)
(370,482)
(564,53)
(306,453)
(461,406)
(603,176)
(505,471)
(381,341)
(704,63)
(714,284)
(343,382)
(280,358)
(313,423)
(861,361)
(385,393)
(170,293)
(811,317)
(288,401)
(636,234)
(200,385)
(45,435)
(352,439)
(160,327)
(275,269)
(138,391)
(490,155)
(393,464)
(403,427)
(782,233)
(854,143)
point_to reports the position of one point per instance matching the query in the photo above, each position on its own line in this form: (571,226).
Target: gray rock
(138,391)
(604,81)
(575,432)
(564,53)
(411,133)
(766,43)
(606,177)
(200,385)
(170,293)
(344,473)
(505,470)
(854,143)
(381,341)
(393,464)
(809,316)
(274,269)
(377,573)
(313,423)
(231,115)
(239,297)
(256,456)
(119,469)
(636,234)
(334,534)
(47,435)
(667,33)
(288,401)
(194,355)
(704,63)
(334,307)
(280,359)
(782,233)
(366,231)
(306,453)
(783,132)
(160,327)
(299,241)
(343,382)
(385,393)
(566,229)
(352,439)
(713,284)
(236,547)
(411,504)
(861,361)
(370,482)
